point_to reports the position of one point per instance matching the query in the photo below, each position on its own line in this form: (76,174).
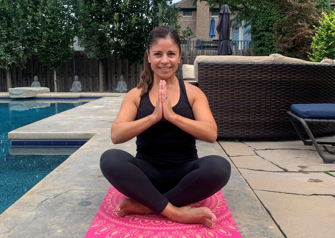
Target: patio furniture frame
(313,141)
(249,100)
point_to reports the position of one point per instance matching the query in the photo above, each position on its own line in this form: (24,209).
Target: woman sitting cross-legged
(166,115)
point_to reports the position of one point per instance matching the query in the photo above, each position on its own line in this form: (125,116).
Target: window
(215,12)
(187,13)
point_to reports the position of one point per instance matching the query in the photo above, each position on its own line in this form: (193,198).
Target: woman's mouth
(165,68)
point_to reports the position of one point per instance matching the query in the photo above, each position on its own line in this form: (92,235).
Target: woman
(166,115)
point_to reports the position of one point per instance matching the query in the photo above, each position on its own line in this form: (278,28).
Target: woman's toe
(209,223)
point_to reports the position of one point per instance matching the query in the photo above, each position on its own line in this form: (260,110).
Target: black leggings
(154,186)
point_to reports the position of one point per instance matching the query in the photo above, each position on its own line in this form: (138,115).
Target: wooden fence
(86,69)
(88,72)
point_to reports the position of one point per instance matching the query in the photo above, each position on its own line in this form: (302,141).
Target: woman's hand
(158,112)
(168,113)
(204,126)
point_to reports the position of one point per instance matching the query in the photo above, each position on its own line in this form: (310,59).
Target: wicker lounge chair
(313,113)
(249,100)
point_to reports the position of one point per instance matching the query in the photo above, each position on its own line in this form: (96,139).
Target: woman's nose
(165,59)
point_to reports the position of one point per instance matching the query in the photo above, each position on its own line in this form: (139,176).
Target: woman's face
(164,58)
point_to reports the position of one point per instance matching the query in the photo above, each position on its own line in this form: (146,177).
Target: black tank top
(164,143)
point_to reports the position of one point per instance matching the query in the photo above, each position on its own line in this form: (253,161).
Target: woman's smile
(165,69)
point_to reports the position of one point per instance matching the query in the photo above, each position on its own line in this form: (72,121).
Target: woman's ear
(148,55)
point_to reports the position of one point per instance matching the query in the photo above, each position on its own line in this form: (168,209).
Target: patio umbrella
(212,28)
(223,28)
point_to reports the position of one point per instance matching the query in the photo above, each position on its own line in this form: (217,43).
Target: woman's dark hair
(160,32)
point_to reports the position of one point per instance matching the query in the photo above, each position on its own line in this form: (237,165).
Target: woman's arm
(125,127)
(204,126)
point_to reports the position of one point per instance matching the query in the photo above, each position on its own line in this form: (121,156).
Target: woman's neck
(169,82)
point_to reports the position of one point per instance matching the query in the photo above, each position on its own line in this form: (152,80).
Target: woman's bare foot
(186,214)
(129,206)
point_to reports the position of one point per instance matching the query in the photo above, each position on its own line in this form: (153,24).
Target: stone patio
(277,189)
(292,182)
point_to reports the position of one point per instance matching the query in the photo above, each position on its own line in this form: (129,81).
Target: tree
(247,9)
(120,27)
(324,6)
(262,28)
(56,33)
(323,45)
(94,22)
(242,10)
(15,35)
(295,32)
(133,21)
(187,34)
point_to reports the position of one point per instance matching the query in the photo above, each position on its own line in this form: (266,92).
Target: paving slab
(296,160)
(301,216)
(78,123)
(65,202)
(237,149)
(4,95)
(78,95)
(297,144)
(254,163)
(43,150)
(295,183)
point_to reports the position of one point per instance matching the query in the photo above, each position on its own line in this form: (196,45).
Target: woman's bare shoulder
(193,91)
(133,96)
(135,92)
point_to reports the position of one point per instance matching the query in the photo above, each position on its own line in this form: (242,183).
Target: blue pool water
(19,173)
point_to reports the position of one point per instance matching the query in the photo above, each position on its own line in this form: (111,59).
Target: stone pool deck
(277,189)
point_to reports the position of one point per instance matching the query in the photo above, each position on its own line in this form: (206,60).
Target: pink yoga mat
(107,224)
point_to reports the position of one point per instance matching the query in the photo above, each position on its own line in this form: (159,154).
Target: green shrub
(262,28)
(294,33)
(324,6)
(323,44)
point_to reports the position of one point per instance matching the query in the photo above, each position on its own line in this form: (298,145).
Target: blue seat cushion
(314,111)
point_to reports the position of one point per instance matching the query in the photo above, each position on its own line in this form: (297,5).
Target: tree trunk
(55,79)
(101,81)
(9,80)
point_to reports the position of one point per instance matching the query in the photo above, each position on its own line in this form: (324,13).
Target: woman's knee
(111,161)
(219,168)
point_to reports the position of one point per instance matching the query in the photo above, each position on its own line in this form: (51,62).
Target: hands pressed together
(163,104)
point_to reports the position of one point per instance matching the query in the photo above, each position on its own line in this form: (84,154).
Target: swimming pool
(19,172)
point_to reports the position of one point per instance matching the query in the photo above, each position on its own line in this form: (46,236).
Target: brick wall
(202,20)
(188,21)
(199,21)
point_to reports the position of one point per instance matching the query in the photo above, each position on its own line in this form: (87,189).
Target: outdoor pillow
(188,71)
(316,111)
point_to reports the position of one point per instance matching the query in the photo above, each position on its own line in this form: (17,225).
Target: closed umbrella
(223,28)
(212,28)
